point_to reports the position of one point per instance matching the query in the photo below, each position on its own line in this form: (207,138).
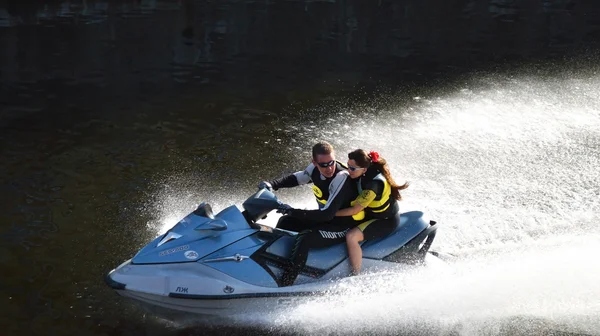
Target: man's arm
(340,189)
(294,180)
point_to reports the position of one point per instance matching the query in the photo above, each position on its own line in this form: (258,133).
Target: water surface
(117,117)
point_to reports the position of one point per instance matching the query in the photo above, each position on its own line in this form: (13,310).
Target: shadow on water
(103,104)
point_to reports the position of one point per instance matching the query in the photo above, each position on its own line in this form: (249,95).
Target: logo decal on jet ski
(333,234)
(228,289)
(191,254)
(287,301)
(173,250)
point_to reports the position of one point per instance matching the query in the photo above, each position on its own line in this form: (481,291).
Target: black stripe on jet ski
(412,252)
(112,283)
(277,261)
(264,259)
(259,258)
(243,296)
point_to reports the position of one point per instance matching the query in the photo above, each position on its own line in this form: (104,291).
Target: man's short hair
(321,148)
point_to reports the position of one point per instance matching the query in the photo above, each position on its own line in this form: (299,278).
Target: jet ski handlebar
(260,204)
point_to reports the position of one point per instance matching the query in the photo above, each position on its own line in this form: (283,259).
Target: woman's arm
(350,211)
(361,202)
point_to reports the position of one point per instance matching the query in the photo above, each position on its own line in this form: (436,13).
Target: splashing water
(501,161)
(509,168)
(546,283)
(177,197)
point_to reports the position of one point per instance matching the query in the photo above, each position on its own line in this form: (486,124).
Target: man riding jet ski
(329,185)
(361,203)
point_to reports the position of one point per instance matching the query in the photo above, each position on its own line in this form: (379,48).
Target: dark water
(103,105)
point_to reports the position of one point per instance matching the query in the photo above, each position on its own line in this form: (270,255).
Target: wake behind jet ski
(229,263)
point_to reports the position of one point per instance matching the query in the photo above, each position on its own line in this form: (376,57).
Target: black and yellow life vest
(384,205)
(321,185)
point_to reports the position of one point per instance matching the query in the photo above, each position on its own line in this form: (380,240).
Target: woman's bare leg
(353,237)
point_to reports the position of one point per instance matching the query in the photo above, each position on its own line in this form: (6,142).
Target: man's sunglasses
(354,168)
(326,164)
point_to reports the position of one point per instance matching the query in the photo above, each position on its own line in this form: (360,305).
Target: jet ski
(230,263)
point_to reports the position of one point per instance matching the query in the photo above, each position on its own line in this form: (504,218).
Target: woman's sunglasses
(354,168)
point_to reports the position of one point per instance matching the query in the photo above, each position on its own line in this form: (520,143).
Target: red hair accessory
(374,156)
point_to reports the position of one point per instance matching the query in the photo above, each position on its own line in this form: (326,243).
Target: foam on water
(509,167)
(554,284)
(499,160)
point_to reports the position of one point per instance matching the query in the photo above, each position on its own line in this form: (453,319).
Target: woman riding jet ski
(372,215)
